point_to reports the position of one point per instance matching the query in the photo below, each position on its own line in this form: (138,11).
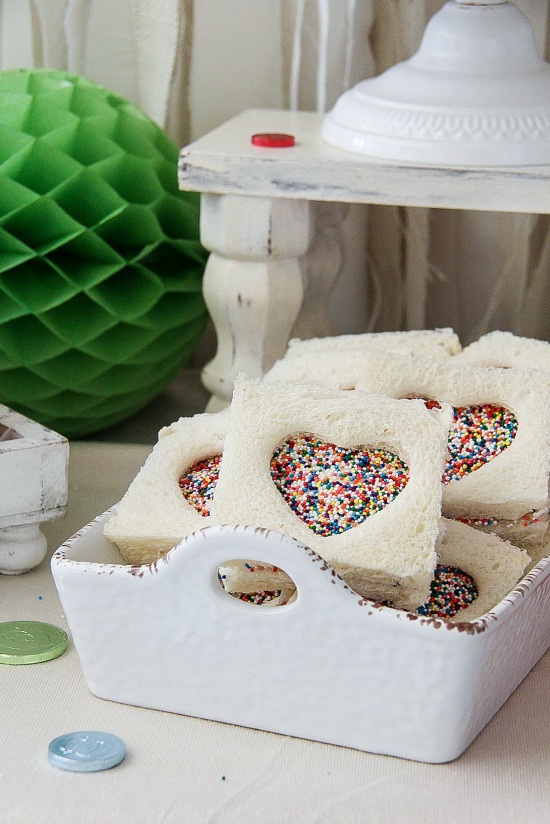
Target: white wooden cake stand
(271,218)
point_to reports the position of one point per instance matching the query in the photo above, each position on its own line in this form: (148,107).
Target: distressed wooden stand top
(225,162)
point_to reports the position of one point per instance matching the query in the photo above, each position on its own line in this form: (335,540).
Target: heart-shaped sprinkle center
(198,483)
(477,435)
(451,590)
(333,488)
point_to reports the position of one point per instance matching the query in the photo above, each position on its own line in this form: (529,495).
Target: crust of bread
(334,369)
(515,481)
(338,361)
(153,516)
(432,342)
(391,555)
(538,552)
(504,349)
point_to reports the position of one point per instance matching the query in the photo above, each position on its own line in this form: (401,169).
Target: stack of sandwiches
(417,469)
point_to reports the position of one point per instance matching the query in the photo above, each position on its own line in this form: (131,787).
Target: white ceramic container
(329,666)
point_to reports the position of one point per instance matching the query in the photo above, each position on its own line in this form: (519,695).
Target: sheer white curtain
(190,64)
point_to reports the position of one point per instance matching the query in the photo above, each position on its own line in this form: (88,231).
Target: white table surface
(181,769)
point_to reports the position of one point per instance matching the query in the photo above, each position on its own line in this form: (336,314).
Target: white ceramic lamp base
(476,93)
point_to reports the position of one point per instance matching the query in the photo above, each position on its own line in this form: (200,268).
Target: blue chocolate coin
(86,751)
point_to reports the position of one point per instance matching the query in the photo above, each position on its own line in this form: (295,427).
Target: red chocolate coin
(273,140)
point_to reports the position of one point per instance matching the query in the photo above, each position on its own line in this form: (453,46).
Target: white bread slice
(495,565)
(435,343)
(391,554)
(528,531)
(241,576)
(505,349)
(338,361)
(153,516)
(513,483)
(335,369)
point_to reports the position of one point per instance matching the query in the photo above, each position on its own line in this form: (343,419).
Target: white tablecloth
(183,770)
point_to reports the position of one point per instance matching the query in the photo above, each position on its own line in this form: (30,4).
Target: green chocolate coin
(30,642)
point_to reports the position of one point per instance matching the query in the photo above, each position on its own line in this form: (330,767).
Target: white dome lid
(476,93)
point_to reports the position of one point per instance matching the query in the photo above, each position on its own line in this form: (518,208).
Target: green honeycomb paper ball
(100,261)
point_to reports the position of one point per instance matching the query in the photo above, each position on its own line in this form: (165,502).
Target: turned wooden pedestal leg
(252,284)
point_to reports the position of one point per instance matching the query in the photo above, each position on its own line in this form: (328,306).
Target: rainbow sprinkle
(478,521)
(477,435)
(258,598)
(198,483)
(530,518)
(429,403)
(451,590)
(333,488)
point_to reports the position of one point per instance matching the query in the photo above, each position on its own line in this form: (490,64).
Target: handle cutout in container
(257,582)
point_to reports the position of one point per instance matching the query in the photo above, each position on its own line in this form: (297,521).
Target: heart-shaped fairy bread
(352,476)
(477,435)
(197,484)
(157,512)
(501,426)
(333,488)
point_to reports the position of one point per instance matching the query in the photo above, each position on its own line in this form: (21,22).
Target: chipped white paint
(252,283)
(33,483)
(254,229)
